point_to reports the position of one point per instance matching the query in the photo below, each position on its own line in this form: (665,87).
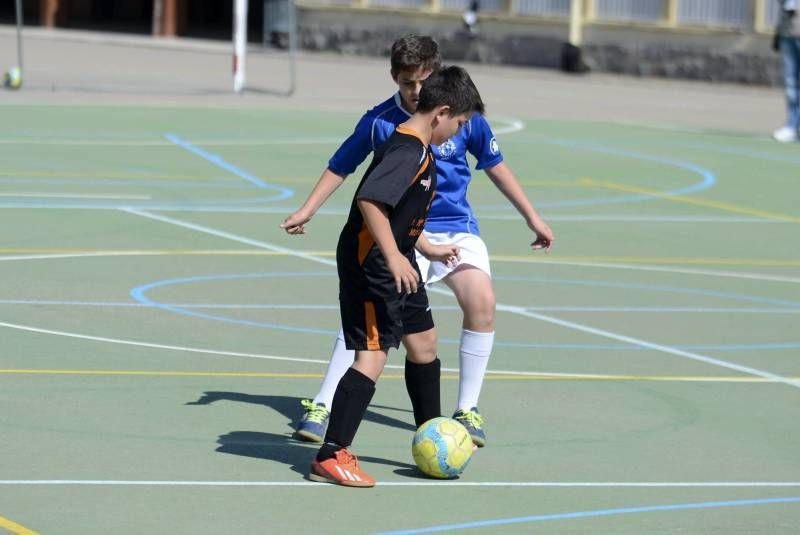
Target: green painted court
(159,329)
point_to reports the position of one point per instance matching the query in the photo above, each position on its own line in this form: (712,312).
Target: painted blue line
(738,151)
(651,287)
(306,306)
(215,184)
(597,513)
(284,193)
(139,292)
(708,181)
(199,205)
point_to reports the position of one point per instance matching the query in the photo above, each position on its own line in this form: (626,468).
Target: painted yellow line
(96,174)
(540,183)
(15,528)
(136,176)
(157,252)
(450,376)
(692,200)
(161,373)
(655,260)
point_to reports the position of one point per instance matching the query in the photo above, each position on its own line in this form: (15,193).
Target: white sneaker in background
(785,134)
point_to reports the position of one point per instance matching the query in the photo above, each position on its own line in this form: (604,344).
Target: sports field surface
(159,330)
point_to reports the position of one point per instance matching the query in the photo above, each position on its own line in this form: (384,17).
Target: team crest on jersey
(447,149)
(493,146)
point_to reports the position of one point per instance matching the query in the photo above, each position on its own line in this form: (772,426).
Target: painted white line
(649,345)
(512,126)
(157,346)
(642,218)
(686,271)
(232,237)
(486,215)
(643,267)
(73,255)
(35,194)
(513,309)
(449,308)
(153,345)
(440,483)
(163,143)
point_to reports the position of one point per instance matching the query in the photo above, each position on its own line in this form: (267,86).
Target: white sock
(341,359)
(473,358)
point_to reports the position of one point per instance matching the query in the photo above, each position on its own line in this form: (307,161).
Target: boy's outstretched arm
(377,221)
(507,183)
(328,183)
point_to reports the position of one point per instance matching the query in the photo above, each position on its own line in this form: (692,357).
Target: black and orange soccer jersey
(402,176)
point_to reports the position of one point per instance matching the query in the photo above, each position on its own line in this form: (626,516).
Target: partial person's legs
(341,359)
(791,64)
(475,294)
(423,375)
(790,54)
(314,422)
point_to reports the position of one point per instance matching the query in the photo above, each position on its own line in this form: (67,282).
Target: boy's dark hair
(414,52)
(450,86)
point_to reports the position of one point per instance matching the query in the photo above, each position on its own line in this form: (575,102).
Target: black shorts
(373,320)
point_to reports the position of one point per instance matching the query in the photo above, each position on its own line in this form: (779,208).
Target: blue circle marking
(596,513)
(139,294)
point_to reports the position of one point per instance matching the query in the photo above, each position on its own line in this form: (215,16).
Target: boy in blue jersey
(450,222)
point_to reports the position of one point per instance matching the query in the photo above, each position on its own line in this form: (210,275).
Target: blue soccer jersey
(450,211)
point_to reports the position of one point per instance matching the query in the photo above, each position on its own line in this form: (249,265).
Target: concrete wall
(710,55)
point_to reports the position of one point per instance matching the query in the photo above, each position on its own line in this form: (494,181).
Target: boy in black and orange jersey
(381,298)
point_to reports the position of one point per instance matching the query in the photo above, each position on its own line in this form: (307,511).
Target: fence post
(591,10)
(576,22)
(672,13)
(760,16)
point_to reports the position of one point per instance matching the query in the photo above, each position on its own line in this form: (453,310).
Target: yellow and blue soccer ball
(13,78)
(442,448)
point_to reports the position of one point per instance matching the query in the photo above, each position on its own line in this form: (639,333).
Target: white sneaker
(785,134)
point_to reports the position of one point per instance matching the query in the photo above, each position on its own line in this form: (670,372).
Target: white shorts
(473,253)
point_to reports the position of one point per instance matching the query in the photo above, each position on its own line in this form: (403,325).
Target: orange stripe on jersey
(421,169)
(365,243)
(373,336)
(403,129)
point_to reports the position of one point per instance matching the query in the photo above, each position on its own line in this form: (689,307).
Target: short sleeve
(354,150)
(390,179)
(482,144)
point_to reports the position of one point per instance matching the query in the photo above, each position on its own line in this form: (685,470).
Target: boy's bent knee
(421,347)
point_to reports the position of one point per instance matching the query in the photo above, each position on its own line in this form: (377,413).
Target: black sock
(422,383)
(327,451)
(350,402)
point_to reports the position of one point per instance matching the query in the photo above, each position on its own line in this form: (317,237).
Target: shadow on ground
(283,448)
(290,408)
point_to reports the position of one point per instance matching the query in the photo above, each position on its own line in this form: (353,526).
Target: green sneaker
(473,421)
(314,423)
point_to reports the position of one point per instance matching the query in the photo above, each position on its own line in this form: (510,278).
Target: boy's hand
(405,276)
(295,223)
(544,236)
(450,255)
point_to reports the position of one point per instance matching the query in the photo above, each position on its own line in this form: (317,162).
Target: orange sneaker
(343,469)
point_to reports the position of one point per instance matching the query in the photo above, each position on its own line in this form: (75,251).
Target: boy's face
(446,126)
(410,83)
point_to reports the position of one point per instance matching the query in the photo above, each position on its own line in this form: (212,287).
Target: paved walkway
(66,66)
